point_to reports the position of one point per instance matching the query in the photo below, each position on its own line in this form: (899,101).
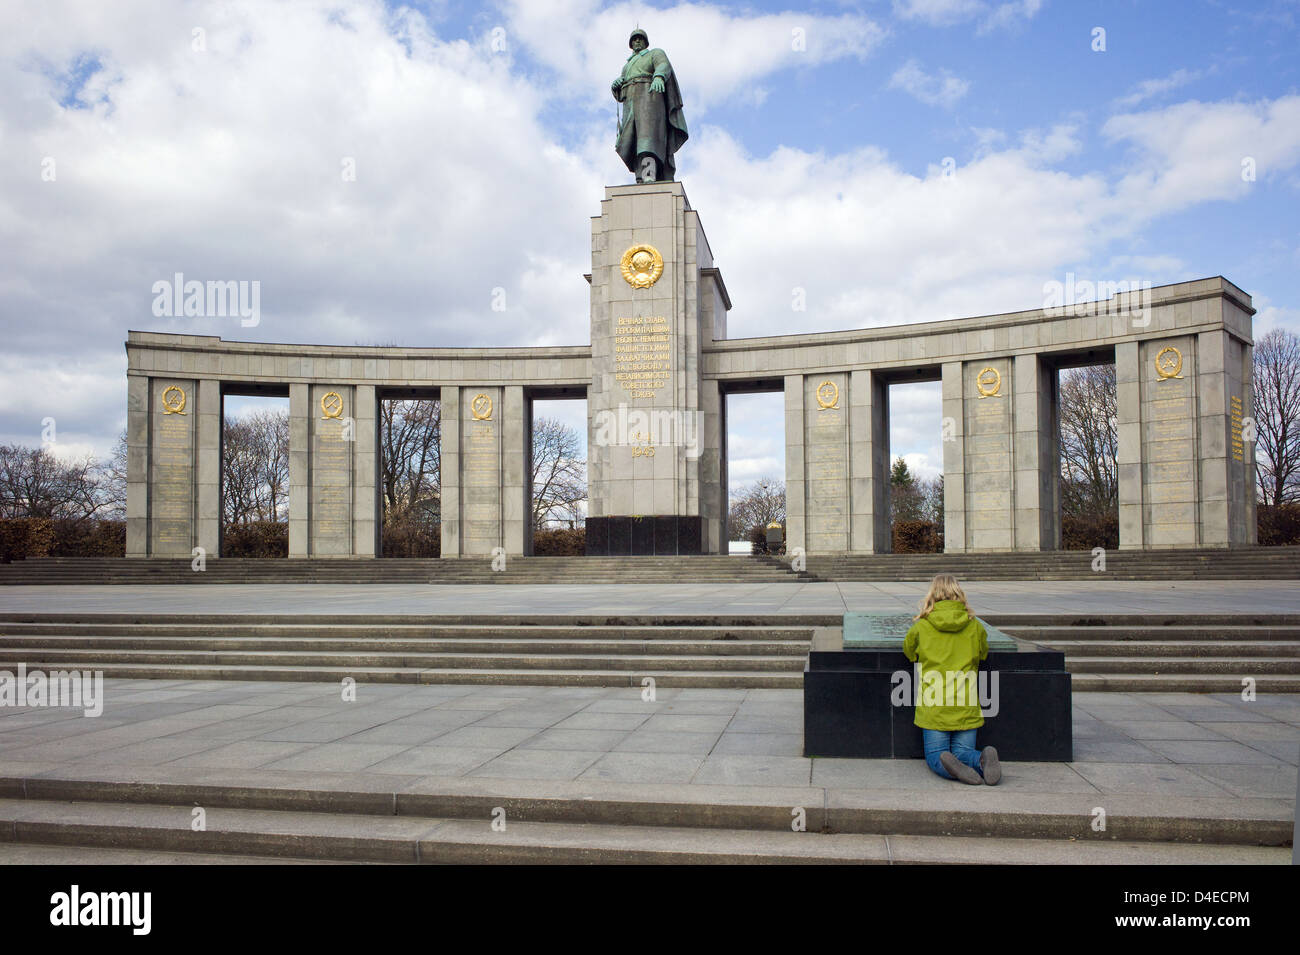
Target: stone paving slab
(988,597)
(1218,748)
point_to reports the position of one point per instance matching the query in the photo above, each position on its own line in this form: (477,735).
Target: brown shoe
(959,770)
(990,766)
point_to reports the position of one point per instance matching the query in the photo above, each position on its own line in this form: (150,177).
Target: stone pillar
(988,400)
(330,470)
(650,451)
(1037,460)
(870,523)
(795,497)
(1169,414)
(1128,457)
(365,474)
(299,456)
(516,471)
(1251,490)
(954,459)
(708,444)
(137,465)
(209,464)
(174,411)
(826,463)
(1227,485)
(449,464)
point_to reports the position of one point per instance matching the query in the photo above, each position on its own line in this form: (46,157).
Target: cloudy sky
(897,161)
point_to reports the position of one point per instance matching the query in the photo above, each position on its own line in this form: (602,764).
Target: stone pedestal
(655,437)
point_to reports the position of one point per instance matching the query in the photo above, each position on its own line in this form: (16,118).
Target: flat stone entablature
(1186,479)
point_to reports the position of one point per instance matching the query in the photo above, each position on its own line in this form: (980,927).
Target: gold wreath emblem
(481,407)
(331,405)
(828,395)
(176,403)
(988,382)
(642,265)
(1169,363)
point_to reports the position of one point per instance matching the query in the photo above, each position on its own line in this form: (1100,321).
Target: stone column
(449,464)
(1169,414)
(299,456)
(209,466)
(1128,457)
(1227,486)
(1037,461)
(954,459)
(481,481)
(330,470)
(516,471)
(869,518)
(708,443)
(174,412)
(826,463)
(795,497)
(137,465)
(365,475)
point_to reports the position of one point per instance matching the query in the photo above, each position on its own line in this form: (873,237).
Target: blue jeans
(961,743)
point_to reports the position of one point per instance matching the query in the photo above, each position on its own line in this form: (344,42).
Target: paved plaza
(987,597)
(1214,747)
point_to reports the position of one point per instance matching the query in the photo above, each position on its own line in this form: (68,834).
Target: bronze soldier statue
(652,127)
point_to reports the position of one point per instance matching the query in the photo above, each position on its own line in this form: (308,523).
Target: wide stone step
(398,839)
(1179,648)
(1155,634)
(1179,683)
(1243,666)
(162,800)
(208,632)
(93,659)
(713,679)
(386,645)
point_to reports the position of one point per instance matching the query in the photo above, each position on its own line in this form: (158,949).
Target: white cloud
(941,89)
(992,16)
(716,55)
(1155,87)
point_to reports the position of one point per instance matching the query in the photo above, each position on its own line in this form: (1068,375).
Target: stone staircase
(1117,652)
(1198,653)
(360,570)
(1247,563)
(360,819)
(1252,563)
(714,651)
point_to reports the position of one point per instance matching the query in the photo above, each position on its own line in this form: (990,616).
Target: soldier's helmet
(638,32)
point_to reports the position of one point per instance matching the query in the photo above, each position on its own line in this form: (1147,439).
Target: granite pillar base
(645,536)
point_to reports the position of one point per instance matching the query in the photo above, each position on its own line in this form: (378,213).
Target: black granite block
(597,537)
(848,711)
(620,536)
(688,535)
(665,534)
(643,536)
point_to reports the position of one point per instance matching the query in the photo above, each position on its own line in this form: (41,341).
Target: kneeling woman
(947,640)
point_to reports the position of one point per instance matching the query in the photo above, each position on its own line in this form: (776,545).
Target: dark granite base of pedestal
(644,536)
(847,709)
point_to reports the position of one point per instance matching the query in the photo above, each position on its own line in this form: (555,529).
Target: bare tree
(1277,416)
(113,480)
(1089,441)
(255,467)
(411,443)
(559,474)
(34,483)
(756,504)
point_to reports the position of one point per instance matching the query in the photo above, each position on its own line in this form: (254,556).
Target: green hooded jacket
(948,644)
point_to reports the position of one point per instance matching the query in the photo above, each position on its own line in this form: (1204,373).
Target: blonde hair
(942,587)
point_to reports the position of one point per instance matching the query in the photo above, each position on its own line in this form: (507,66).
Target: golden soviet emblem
(989,382)
(828,395)
(331,405)
(642,265)
(1169,363)
(481,407)
(173,400)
